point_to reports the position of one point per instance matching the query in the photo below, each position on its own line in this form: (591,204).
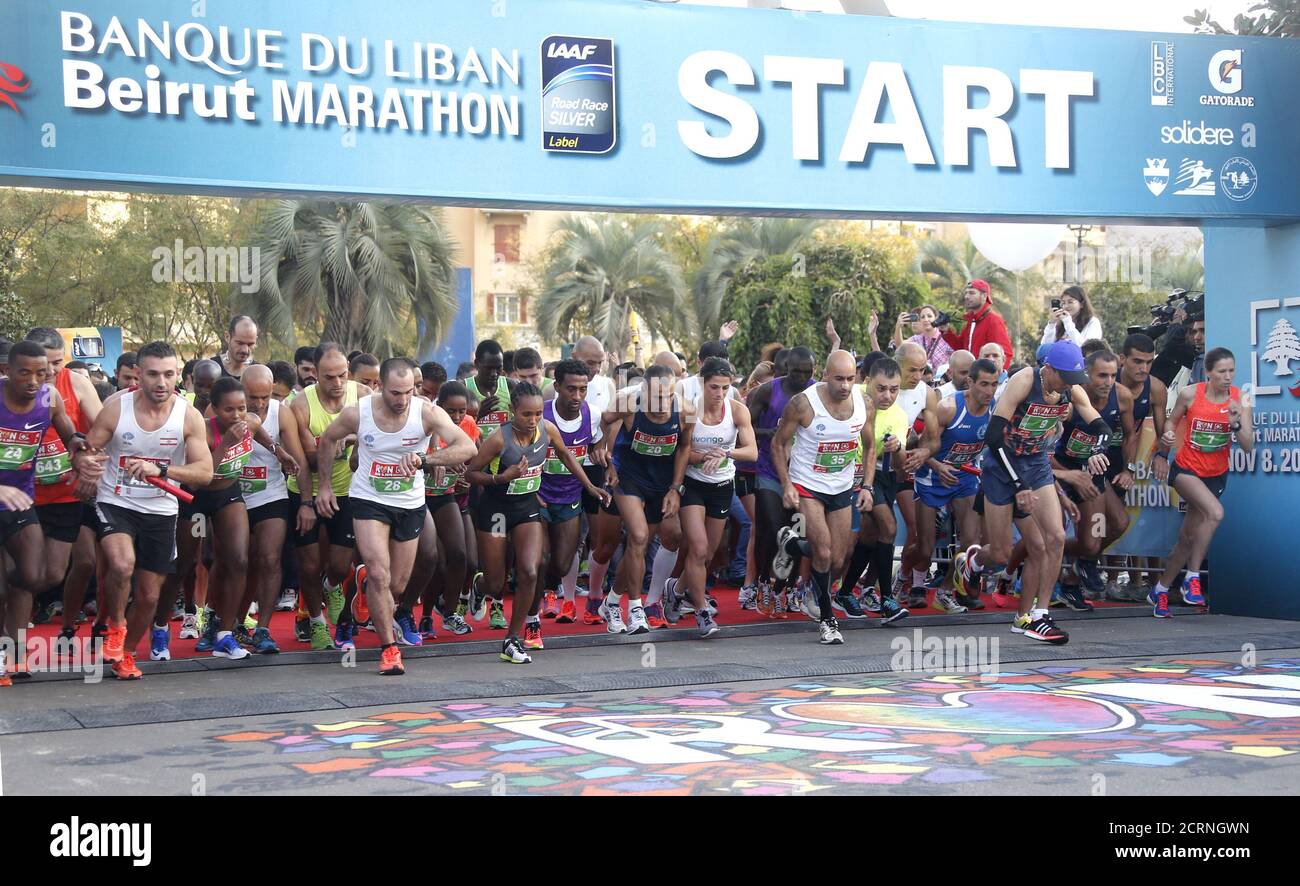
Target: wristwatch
(681,490)
(1131,467)
(162,472)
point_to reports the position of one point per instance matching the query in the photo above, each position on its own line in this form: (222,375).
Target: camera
(943,319)
(912,317)
(1191,301)
(1056,304)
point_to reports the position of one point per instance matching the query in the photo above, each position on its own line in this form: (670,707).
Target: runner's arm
(682,455)
(62,424)
(869,446)
(302,417)
(746,448)
(995,437)
(488,450)
(344,426)
(1131,439)
(797,412)
(87,397)
(293,445)
(1096,424)
(1159,407)
(757,403)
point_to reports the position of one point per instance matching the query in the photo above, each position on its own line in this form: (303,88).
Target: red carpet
(729,613)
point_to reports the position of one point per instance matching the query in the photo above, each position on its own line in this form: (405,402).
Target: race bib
(432,488)
(529,481)
(1081,445)
(648,444)
(1037,426)
(252,480)
(1209,436)
(18,448)
(491,421)
(390,479)
(835,455)
(553,464)
(963,453)
(53,464)
(128,485)
(235,460)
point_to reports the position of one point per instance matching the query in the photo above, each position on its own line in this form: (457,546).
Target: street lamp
(1080,231)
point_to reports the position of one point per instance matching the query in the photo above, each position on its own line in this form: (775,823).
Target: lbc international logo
(13,82)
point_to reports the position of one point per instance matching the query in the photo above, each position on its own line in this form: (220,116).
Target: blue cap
(1066,358)
(1042,354)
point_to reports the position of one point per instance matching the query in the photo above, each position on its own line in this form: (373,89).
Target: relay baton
(171,489)
(970,469)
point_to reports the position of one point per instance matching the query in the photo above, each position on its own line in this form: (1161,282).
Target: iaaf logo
(565,50)
(12,82)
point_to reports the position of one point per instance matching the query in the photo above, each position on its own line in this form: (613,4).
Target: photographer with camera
(1072,318)
(1181,320)
(925,322)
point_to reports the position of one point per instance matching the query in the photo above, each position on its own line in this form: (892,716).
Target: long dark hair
(1086,312)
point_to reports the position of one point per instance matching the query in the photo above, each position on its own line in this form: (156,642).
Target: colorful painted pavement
(1189,716)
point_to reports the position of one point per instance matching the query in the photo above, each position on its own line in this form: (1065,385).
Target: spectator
(982,324)
(1074,320)
(127,372)
(924,333)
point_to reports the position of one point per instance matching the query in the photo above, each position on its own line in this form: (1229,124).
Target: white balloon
(1013,246)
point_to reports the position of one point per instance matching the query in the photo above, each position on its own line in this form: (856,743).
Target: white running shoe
(708,627)
(748,597)
(830,632)
(613,616)
(636,620)
(190,627)
(783,563)
(808,604)
(288,601)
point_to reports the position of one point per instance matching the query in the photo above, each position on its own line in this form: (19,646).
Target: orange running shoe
(592,616)
(568,613)
(533,636)
(390,662)
(654,616)
(125,669)
(114,641)
(5,681)
(550,606)
(360,608)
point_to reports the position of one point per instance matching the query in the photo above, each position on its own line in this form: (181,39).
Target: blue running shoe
(208,641)
(158,641)
(228,647)
(1159,603)
(344,632)
(263,644)
(426,628)
(407,634)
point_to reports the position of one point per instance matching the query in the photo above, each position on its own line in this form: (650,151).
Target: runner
(219,512)
(1150,397)
(1018,484)
(324,552)
(650,425)
(392,430)
(561,492)
(1207,418)
(304,360)
(29,406)
(601,392)
(492,389)
(1074,467)
(766,405)
(364,370)
(918,401)
(241,341)
(150,433)
(266,495)
(722,436)
(509,467)
(950,478)
(814,451)
(67,522)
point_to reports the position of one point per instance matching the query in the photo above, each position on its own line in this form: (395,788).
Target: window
(506,248)
(506,309)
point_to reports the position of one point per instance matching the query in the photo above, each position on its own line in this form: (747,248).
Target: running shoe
(158,640)
(334,599)
(189,627)
(846,604)
(568,613)
(1089,574)
(462,607)
(830,632)
(478,605)
(426,628)
(636,620)
(707,625)
(594,613)
(809,606)
(301,630)
(654,616)
(971,603)
(344,636)
(456,624)
(360,605)
(125,669)
(551,606)
(870,598)
(897,588)
(891,611)
(533,636)
(1041,628)
(1191,591)
(320,636)
(1075,599)
(1003,585)
(228,647)
(244,637)
(67,641)
(263,644)
(944,601)
(1138,591)
(114,641)
(748,597)
(390,662)
(916,598)
(1057,600)
(497,620)
(207,642)
(407,633)
(672,603)
(612,616)
(178,610)
(783,563)
(288,600)
(963,575)
(1159,601)
(513,652)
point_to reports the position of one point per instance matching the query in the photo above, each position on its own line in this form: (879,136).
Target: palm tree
(599,270)
(948,268)
(1183,272)
(732,249)
(362,271)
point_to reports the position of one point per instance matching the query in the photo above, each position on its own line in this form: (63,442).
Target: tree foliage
(1277,18)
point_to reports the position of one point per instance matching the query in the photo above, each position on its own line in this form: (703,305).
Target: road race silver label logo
(1226,73)
(78,839)
(1156,175)
(1196,178)
(578,87)
(1238,178)
(1162,73)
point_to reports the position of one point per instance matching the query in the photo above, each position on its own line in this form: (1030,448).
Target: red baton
(970,469)
(171,489)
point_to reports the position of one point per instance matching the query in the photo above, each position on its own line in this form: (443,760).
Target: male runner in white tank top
(150,433)
(392,430)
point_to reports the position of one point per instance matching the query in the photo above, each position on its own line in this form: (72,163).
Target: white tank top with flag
(262,480)
(165,446)
(826,451)
(380,477)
